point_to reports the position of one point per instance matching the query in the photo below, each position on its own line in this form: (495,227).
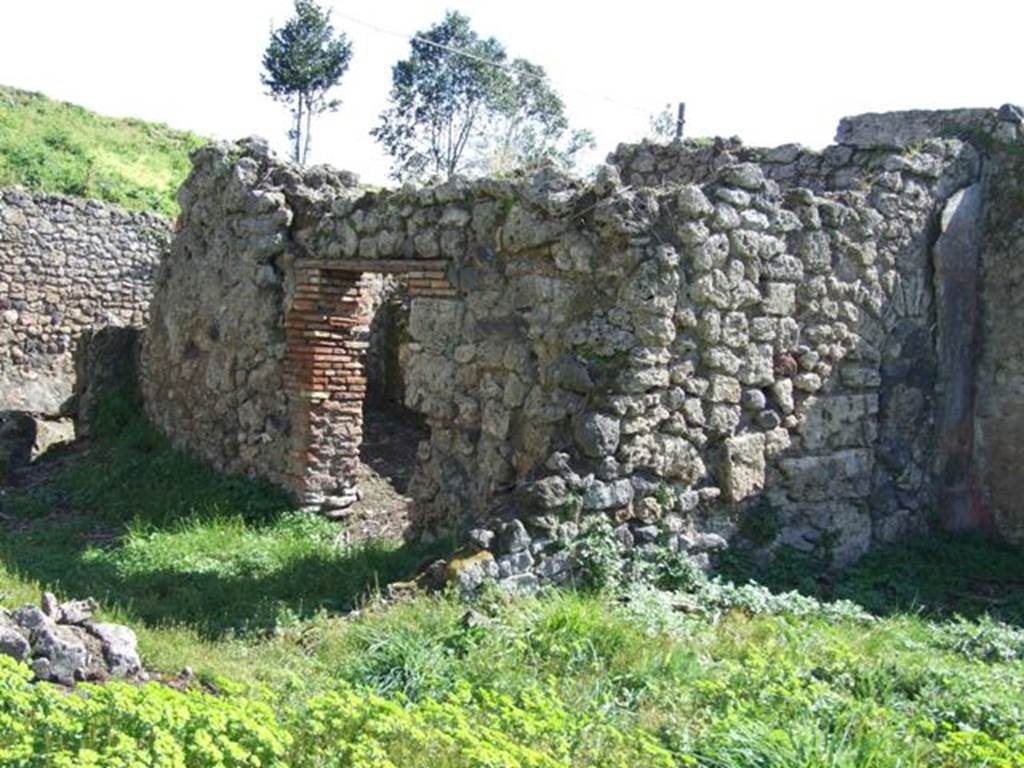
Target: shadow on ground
(241,591)
(156,535)
(938,576)
(212,602)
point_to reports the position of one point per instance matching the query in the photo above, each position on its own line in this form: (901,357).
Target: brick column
(327,328)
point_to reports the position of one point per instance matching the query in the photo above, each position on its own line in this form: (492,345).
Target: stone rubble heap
(62,643)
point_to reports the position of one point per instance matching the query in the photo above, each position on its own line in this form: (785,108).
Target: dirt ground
(391,435)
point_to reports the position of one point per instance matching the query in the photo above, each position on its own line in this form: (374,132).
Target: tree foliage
(302,63)
(661,126)
(528,125)
(458,106)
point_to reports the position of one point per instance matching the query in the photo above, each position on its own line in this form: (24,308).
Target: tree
(528,125)
(304,61)
(437,97)
(457,105)
(662,125)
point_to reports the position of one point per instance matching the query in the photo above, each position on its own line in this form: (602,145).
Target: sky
(769,71)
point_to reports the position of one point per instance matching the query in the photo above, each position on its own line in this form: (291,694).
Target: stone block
(692,202)
(839,421)
(782,394)
(435,323)
(13,639)
(120,648)
(840,475)
(744,466)
(724,418)
(603,496)
(757,368)
(724,389)
(735,330)
(677,459)
(597,434)
(779,299)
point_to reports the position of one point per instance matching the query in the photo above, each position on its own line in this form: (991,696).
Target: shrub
(597,558)
(466,728)
(677,570)
(118,725)
(985,639)
(969,748)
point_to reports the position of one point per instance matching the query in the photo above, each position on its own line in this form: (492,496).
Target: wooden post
(680,120)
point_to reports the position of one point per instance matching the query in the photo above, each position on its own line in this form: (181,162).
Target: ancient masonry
(708,342)
(66,265)
(327,329)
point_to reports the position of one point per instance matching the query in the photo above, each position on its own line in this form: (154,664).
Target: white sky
(770,71)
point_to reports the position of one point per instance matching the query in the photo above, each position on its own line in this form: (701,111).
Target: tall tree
(457,105)
(528,125)
(438,96)
(303,61)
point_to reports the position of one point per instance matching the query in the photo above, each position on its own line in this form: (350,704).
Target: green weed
(911,658)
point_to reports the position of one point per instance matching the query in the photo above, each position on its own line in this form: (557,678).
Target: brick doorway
(328,323)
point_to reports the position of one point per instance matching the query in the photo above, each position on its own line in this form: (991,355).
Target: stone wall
(252,358)
(66,265)
(999,429)
(867,147)
(217,384)
(713,355)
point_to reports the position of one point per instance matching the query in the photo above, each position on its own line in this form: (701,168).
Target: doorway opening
(392,432)
(354,443)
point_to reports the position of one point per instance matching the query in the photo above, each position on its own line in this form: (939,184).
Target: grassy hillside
(59,147)
(925,668)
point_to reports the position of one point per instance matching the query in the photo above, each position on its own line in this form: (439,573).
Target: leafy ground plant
(223,576)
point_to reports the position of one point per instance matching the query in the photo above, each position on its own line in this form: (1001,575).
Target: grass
(222,576)
(58,147)
(164,540)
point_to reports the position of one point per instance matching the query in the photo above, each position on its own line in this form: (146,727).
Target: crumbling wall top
(909,127)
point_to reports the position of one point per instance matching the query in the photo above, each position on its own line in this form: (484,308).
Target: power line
(489,62)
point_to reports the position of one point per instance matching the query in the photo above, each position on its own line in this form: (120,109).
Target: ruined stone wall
(712,357)
(66,265)
(999,433)
(862,154)
(252,358)
(213,355)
